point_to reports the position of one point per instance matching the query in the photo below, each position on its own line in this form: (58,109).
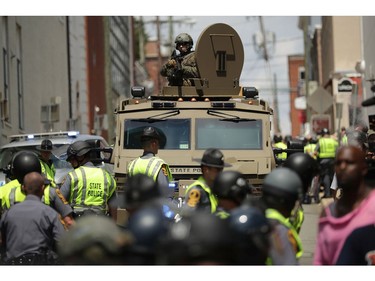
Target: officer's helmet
(283,185)
(23,163)
(254,231)
(183,38)
(277,138)
(231,185)
(147,225)
(78,148)
(213,157)
(140,189)
(324,131)
(46,145)
(150,133)
(304,165)
(198,238)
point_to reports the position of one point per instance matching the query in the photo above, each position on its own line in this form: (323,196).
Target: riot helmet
(283,187)
(324,131)
(254,230)
(23,163)
(184,38)
(277,138)
(78,148)
(140,189)
(231,185)
(304,165)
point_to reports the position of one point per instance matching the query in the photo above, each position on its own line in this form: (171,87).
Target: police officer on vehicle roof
(231,189)
(30,230)
(199,194)
(88,189)
(24,162)
(182,64)
(48,168)
(282,188)
(150,164)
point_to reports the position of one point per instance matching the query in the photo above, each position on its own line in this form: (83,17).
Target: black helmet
(46,145)
(284,184)
(78,148)
(304,165)
(231,185)
(140,189)
(213,157)
(198,238)
(23,163)
(183,38)
(147,225)
(150,133)
(254,230)
(324,131)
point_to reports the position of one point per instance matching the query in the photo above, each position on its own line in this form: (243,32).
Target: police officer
(30,230)
(307,168)
(182,64)
(88,189)
(48,168)
(24,162)
(278,143)
(282,188)
(150,164)
(230,189)
(199,194)
(326,151)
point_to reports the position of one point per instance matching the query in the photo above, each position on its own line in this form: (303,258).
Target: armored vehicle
(214,113)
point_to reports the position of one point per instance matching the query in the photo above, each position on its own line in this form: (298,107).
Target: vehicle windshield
(174,133)
(209,132)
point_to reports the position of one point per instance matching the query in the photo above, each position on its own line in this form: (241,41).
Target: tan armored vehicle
(216,112)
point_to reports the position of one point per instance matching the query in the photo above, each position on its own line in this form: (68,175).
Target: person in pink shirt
(355,208)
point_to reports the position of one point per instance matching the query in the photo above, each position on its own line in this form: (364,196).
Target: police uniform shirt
(65,188)
(59,203)
(29,227)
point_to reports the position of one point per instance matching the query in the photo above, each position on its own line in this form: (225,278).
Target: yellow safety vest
(297,218)
(150,167)
(202,183)
(274,214)
(48,171)
(90,188)
(327,148)
(13,194)
(309,149)
(281,145)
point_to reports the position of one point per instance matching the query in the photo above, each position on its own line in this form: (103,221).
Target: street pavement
(309,230)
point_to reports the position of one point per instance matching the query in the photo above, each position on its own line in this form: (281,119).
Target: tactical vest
(150,167)
(327,148)
(202,183)
(90,189)
(274,214)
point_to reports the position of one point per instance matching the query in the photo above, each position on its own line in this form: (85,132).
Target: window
(175,133)
(228,135)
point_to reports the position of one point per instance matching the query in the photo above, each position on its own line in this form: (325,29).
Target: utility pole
(260,44)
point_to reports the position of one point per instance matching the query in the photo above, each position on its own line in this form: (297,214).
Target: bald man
(30,229)
(354,209)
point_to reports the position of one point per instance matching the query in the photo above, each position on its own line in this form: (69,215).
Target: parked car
(100,155)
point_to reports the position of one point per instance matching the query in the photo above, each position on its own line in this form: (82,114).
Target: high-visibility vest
(150,167)
(327,148)
(48,171)
(202,183)
(13,194)
(90,188)
(281,145)
(274,214)
(309,149)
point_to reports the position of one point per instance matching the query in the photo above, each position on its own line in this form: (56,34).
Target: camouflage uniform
(188,69)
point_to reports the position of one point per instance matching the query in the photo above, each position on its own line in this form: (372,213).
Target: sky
(255,72)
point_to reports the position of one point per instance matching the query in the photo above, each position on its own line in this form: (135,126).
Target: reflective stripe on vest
(327,148)
(16,196)
(150,167)
(202,183)
(274,214)
(90,188)
(48,171)
(281,145)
